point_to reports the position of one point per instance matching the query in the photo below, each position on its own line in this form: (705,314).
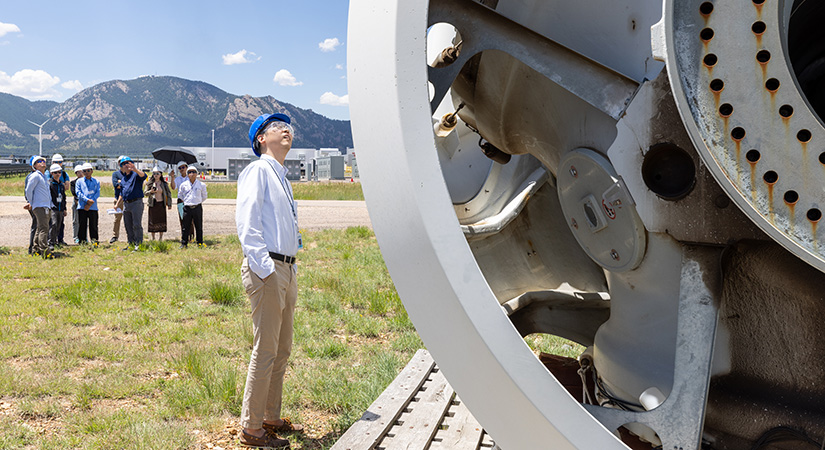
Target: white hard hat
(192,169)
(181,163)
(156,169)
(57,157)
(87,166)
(35,160)
(78,168)
(55,168)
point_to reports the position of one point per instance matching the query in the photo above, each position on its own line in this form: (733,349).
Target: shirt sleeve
(80,187)
(203,193)
(95,194)
(251,188)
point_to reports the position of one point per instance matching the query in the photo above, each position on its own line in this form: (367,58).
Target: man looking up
(131,189)
(267,220)
(39,203)
(57,158)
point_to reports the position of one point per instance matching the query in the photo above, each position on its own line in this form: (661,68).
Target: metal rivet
(574,223)
(573,171)
(614,254)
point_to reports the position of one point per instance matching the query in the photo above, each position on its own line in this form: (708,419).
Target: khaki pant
(273,307)
(118,217)
(41,234)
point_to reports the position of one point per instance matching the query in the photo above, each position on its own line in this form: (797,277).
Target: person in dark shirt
(131,190)
(57,187)
(117,179)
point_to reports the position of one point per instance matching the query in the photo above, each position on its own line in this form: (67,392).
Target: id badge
(300,241)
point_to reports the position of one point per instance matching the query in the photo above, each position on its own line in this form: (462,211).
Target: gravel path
(218,218)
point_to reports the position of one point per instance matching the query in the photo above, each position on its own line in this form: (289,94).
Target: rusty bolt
(574,223)
(614,254)
(574,172)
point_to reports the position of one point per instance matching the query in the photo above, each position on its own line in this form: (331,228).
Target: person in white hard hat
(57,159)
(58,193)
(174,183)
(117,178)
(78,171)
(193,193)
(88,191)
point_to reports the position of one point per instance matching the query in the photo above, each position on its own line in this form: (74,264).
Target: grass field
(104,349)
(148,350)
(302,190)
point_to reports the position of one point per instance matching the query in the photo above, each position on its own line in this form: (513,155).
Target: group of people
(45,193)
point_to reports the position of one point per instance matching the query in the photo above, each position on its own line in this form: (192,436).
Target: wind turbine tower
(40,134)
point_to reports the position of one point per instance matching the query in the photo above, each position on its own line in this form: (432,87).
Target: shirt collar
(275,164)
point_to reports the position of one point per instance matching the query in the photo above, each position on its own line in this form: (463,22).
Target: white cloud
(339,66)
(242,57)
(6,28)
(31,84)
(329,44)
(73,85)
(328,98)
(284,78)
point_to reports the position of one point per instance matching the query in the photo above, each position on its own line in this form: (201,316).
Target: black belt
(282,258)
(133,200)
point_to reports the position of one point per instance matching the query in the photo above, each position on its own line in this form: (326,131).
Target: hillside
(137,116)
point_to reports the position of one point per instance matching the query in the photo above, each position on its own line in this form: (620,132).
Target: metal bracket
(680,418)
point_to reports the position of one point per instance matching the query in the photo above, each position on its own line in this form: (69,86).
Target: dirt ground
(218,218)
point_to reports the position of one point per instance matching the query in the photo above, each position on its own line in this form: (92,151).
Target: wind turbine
(40,134)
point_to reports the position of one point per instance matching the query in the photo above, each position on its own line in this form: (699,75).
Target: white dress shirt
(266,214)
(192,194)
(179,181)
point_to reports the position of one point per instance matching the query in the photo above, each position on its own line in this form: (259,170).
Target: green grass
(154,344)
(301,190)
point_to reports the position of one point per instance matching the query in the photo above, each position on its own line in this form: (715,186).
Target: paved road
(219,219)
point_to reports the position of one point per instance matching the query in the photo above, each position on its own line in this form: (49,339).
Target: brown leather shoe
(265,441)
(287,427)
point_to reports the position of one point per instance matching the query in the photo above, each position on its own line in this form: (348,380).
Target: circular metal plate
(751,124)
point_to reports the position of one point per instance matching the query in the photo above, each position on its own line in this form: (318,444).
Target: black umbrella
(172,155)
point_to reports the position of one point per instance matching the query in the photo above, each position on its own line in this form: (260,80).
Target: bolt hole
(791,197)
(786,111)
(753,155)
(814,215)
(717,85)
(804,136)
(706,8)
(822,158)
(759,27)
(710,60)
(726,110)
(770,177)
(763,56)
(772,85)
(706,34)
(737,133)
(758,2)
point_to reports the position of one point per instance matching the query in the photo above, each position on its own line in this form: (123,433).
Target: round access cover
(599,211)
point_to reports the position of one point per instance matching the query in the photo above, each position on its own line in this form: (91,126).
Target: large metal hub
(531,168)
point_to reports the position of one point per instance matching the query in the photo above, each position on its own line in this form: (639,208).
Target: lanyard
(287,192)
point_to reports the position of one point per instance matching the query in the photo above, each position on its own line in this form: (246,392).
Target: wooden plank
(421,424)
(384,411)
(463,431)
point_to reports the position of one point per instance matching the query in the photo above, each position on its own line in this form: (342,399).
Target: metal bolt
(614,254)
(574,223)
(573,171)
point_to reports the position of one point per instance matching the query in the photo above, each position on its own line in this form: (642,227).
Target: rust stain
(759,40)
(759,10)
(764,66)
(813,234)
(791,215)
(738,143)
(753,180)
(716,95)
(770,203)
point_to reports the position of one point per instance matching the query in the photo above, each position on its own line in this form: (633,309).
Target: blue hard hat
(260,123)
(124,159)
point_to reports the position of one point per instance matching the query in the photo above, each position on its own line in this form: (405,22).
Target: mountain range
(137,116)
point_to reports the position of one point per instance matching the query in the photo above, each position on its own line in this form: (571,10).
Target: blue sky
(294,51)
